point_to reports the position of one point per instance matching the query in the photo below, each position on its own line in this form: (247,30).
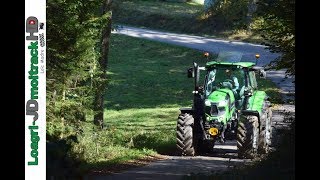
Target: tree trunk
(103,62)
(252,8)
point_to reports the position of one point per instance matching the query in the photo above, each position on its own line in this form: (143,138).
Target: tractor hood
(219,105)
(221,95)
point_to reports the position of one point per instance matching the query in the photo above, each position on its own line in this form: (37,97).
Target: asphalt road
(249,51)
(201,43)
(225,156)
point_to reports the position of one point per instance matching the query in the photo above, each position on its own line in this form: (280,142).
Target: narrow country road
(225,156)
(201,43)
(215,46)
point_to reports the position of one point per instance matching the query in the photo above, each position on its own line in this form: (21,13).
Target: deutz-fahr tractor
(227,106)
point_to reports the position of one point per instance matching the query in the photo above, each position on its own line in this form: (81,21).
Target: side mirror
(190,73)
(200,89)
(248,91)
(262,74)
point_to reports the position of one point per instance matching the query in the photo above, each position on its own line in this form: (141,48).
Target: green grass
(147,84)
(145,74)
(169,9)
(187,18)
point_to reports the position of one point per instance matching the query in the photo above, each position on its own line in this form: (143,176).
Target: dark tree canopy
(278,29)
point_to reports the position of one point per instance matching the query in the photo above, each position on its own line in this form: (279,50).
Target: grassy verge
(147,85)
(187,18)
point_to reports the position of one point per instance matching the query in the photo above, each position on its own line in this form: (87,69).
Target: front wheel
(185,144)
(248,137)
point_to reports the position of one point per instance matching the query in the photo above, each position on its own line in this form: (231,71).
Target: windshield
(230,56)
(224,77)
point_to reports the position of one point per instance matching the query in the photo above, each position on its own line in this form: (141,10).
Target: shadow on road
(173,168)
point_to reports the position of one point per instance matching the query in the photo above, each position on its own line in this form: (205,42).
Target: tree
(252,8)
(230,14)
(76,60)
(100,85)
(67,60)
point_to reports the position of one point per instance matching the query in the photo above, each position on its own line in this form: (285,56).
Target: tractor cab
(225,77)
(230,72)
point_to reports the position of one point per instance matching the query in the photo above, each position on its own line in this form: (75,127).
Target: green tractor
(227,106)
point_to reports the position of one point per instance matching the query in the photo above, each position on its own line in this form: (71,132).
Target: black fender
(188,110)
(252,113)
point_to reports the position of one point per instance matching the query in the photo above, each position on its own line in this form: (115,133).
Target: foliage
(276,22)
(226,14)
(74,30)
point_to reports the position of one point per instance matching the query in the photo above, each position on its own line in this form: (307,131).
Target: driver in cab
(234,82)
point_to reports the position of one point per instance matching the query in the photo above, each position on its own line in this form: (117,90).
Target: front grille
(214,110)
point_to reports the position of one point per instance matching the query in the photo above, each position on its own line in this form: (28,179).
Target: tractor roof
(241,64)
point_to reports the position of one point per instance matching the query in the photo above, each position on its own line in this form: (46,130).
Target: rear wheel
(265,133)
(185,144)
(269,127)
(247,137)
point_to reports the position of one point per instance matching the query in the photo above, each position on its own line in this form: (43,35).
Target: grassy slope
(147,85)
(175,17)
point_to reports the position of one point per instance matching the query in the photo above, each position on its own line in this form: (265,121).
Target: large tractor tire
(248,137)
(185,145)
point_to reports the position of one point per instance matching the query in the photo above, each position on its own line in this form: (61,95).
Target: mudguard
(188,110)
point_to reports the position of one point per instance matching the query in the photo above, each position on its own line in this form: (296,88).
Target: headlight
(207,102)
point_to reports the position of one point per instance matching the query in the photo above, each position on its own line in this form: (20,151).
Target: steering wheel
(227,84)
(229,80)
